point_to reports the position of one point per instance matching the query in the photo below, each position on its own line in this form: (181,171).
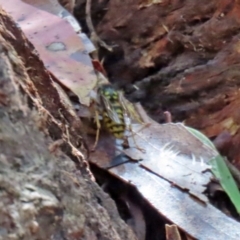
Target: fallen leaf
(196,219)
(60,48)
(172,232)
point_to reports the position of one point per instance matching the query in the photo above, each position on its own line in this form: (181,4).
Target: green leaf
(220,170)
(203,138)
(222,173)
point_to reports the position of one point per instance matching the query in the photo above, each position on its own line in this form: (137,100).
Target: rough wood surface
(183,56)
(43,195)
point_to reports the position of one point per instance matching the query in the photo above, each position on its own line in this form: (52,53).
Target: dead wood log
(183,56)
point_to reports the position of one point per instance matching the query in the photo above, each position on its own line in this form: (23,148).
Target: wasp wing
(129,109)
(110,111)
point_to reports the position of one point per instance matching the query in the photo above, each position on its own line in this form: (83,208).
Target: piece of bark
(42,196)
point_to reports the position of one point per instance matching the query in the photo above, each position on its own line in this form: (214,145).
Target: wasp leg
(134,140)
(98,130)
(134,133)
(143,126)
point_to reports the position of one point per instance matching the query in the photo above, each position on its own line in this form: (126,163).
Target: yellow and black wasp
(115,111)
(112,110)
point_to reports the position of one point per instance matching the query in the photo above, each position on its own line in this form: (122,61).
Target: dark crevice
(118,190)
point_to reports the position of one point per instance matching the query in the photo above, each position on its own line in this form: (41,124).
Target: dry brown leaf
(172,232)
(59,47)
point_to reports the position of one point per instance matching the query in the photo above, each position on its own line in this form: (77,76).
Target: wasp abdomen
(117,129)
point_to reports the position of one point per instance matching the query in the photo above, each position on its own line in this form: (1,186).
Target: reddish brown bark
(184,56)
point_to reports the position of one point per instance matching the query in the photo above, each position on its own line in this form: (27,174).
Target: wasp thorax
(109,92)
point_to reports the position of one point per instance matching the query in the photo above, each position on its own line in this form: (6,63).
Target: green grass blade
(220,170)
(222,173)
(203,138)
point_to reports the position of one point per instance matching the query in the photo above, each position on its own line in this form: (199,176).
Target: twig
(144,116)
(168,117)
(93,35)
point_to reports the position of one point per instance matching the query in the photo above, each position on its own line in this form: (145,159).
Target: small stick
(168,117)
(98,131)
(93,35)
(140,110)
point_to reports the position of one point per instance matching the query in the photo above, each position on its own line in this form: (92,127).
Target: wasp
(114,110)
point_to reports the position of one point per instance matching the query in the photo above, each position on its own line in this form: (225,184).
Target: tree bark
(44,195)
(183,56)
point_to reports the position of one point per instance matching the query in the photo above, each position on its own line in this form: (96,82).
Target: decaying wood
(43,195)
(184,56)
